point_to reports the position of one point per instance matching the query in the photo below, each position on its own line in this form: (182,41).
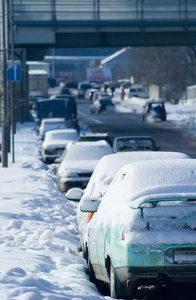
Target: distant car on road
(102,105)
(134,143)
(154,110)
(99,95)
(71,84)
(89,94)
(59,91)
(82,89)
(138,91)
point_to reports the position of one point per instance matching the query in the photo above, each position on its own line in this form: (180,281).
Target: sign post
(13,74)
(13,70)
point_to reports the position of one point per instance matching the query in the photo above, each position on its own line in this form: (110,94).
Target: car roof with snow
(53,120)
(95,150)
(92,134)
(110,164)
(161,101)
(68,133)
(154,179)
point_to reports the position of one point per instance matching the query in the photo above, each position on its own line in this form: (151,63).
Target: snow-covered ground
(182,115)
(39,233)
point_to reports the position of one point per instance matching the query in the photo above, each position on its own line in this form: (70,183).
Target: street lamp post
(4,115)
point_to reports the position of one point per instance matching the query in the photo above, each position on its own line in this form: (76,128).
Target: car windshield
(134,144)
(105,101)
(85,86)
(68,135)
(87,153)
(53,125)
(54,109)
(157,106)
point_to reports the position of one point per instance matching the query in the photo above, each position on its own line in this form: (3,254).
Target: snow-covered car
(143,232)
(78,163)
(51,124)
(154,110)
(55,142)
(34,97)
(102,176)
(134,143)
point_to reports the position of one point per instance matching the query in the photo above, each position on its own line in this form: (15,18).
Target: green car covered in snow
(143,232)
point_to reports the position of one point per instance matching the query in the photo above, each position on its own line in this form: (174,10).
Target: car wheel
(116,287)
(114,284)
(84,252)
(91,272)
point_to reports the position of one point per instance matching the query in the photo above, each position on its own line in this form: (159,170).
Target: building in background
(98,74)
(79,66)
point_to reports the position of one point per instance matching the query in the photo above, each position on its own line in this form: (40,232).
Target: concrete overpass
(41,24)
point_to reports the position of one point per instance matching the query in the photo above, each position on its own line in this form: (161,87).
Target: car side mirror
(89,205)
(74,194)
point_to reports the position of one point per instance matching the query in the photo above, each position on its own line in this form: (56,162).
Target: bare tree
(171,68)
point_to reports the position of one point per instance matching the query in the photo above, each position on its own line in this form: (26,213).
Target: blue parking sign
(13,70)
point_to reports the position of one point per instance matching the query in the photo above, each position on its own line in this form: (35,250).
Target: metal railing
(64,11)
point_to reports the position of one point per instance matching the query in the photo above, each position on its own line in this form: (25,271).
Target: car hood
(55,144)
(79,166)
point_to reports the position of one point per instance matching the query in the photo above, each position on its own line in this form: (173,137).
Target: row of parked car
(136,211)
(136,218)
(76,161)
(137,221)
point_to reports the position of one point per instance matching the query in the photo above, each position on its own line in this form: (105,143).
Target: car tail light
(90,214)
(123,236)
(75,123)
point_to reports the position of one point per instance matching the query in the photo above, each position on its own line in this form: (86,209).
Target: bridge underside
(37,40)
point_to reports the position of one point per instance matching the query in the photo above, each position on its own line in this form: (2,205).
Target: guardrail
(102,10)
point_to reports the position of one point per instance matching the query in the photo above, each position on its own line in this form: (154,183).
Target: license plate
(185,256)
